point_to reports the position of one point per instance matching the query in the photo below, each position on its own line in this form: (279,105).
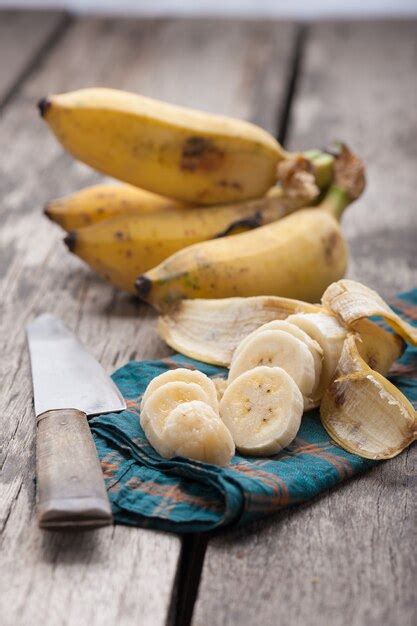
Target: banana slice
(277,348)
(193,430)
(329,334)
(262,408)
(160,404)
(187,376)
(221,385)
(314,347)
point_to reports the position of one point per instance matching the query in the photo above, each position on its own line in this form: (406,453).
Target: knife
(68,385)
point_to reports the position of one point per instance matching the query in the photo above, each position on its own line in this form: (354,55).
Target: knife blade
(68,385)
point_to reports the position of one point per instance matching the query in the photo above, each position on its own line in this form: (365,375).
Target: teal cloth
(186,496)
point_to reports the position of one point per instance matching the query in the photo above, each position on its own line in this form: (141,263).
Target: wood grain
(118,575)
(348,557)
(24,36)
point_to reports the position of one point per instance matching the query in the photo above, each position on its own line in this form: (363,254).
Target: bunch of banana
(334,355)
(180,417)
(194,159)
(296,257)
(126,230)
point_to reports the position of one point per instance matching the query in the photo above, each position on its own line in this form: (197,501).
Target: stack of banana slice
(180,417)
(286,357)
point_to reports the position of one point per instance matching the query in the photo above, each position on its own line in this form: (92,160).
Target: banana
(313,346)
(221,386)
(124,246)
(329,334)
(184,375)
(160,403)
(99,202)
(262,409)
(193,430)
(180,153)
(277,348)
(365,413)
(297,257)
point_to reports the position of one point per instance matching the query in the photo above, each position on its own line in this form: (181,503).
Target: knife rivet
(63,423)
(74,478)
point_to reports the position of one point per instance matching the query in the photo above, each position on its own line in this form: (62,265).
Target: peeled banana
(277,348)
(262,408)
(359,408)
(180,153)
(160,404)
(122,247)
(181,374)
(180,417)
(193,430)
(296,257)
(329,334)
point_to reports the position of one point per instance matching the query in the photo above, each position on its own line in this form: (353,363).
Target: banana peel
(365,413)
(211,330)
(352,301)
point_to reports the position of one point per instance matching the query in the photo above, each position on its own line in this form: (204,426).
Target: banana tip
(143,286)
(70,240)
(43,106)
(47,212)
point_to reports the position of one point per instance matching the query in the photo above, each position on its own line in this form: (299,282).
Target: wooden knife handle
(70,486)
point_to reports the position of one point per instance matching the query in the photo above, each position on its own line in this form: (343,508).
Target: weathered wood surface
(115,575)
(349,557)
(23,37)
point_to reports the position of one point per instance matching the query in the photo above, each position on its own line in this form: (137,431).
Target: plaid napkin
(187,496)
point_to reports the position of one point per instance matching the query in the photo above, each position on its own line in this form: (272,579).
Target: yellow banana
(181,153)
(100,202)
(296,257)
(305,176)
(122,247)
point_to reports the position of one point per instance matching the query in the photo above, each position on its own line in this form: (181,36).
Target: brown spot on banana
(199,153)
(331,245)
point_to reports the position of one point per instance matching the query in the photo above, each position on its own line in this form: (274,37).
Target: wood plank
(23,35)
(116,575)
(346,558)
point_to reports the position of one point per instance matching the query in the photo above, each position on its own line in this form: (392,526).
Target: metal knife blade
(65,375)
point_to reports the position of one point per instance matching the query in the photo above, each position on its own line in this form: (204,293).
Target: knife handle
(70,486)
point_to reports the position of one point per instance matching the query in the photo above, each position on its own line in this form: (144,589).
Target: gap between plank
(283,122)
(44,49)
(190,566)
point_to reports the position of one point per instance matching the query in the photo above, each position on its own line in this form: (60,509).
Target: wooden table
(349,556)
